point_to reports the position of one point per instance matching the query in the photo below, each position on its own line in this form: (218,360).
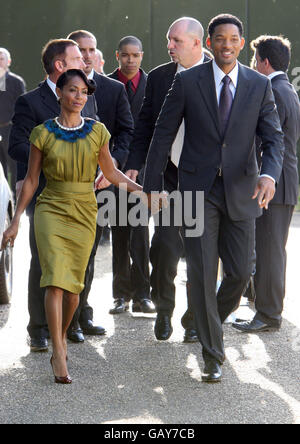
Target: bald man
(184,43)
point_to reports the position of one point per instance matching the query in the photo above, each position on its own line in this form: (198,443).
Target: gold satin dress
(66,210)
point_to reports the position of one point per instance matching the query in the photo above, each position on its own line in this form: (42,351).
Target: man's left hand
(264,191)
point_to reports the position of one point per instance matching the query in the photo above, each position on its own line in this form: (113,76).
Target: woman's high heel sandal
(60,379)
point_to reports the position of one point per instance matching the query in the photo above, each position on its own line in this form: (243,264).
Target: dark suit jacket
(137,100)
(159,82)
(114,112)
(33,109)
(193,97)
(15,86)
(288,108)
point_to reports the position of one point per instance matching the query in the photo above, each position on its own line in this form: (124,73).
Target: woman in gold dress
(68,150)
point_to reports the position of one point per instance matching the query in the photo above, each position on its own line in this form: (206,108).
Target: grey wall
(25,26)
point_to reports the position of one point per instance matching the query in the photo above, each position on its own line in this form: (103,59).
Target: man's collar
(91,74)
(219,74)
(52,86)
(181,68)
(275,74)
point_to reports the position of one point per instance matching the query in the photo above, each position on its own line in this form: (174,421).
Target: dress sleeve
(103,133)
(38,136)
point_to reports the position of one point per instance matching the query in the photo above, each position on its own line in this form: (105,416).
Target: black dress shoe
(254,326)
(190,335)
(38,345)
(120,307)
(212,371)
(144,306)
(75,335)
(163,327)
(92,330)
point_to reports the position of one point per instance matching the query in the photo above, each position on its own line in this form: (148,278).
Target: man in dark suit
(224,105)
(114,112)
(130,245)
(32,109)
(185,49)
(272,56)
(13,87)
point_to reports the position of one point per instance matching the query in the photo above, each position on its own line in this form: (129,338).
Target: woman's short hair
(70,73)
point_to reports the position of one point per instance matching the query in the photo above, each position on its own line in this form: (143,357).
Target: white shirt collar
(219,74)
(52,85)
(274,74)
(181,68)
(91,74)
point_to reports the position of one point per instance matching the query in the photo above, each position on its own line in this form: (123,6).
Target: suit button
(224,145)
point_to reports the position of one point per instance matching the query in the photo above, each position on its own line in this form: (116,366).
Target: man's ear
(208,42)
(58,64)
(242,43)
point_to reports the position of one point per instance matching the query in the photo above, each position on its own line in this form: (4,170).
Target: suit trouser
(165,253)
(234,243)
(130,254)
(272,230)
(37,326)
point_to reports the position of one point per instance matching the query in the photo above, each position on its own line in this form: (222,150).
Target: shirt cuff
(270,177)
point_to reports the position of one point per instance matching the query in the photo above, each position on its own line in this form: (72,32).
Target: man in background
(184,37)
(12,86)
(114,112)
(272,58)
(131,244)
(32,109)
(99,62)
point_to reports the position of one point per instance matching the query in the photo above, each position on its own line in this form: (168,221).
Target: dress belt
(70,187)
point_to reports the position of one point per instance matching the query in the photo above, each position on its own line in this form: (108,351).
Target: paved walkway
(128,377)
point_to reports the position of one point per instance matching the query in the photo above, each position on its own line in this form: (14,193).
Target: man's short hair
(225,19)
(81,34)
(277,49)
(130,40)
(52,51)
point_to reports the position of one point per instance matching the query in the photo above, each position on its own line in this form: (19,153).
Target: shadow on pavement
(129,377)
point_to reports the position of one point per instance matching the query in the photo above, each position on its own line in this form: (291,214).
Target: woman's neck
(69,120)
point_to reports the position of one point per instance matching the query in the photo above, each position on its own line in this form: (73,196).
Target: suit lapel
(207,87)
(169,75)
(48,98)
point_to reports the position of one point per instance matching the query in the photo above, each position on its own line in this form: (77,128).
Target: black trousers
(130,255)
(234,243)
(37,326)
(165,252)
(272,230)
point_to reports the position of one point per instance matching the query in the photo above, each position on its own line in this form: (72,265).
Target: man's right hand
(132,174)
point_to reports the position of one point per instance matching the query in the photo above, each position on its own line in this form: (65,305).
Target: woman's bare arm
(29,187)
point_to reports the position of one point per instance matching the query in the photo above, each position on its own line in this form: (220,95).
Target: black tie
(129,90)
(225,104)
